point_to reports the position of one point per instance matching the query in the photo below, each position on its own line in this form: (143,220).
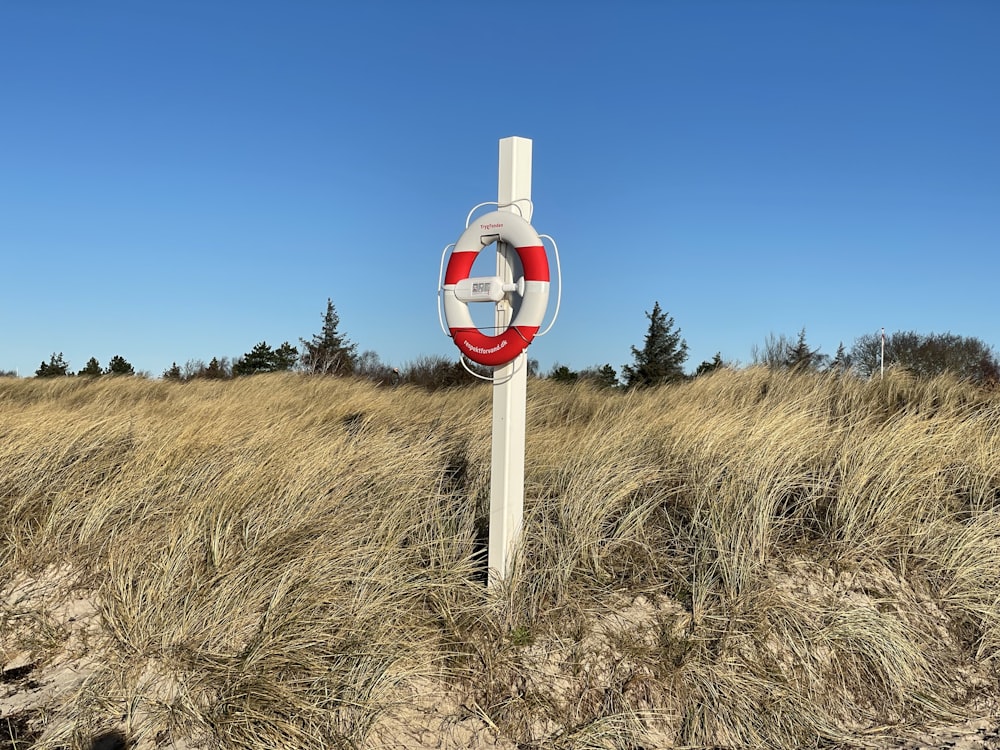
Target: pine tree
(800,358)
(710,365)
(217,369)
(262,358)
(92,368)
(173,373)
(285,357)
(662,355)
(329,352)
(606,376)
(603,375)
(841,361)
(259,359)
(56,367)
(562,374)
(120,366)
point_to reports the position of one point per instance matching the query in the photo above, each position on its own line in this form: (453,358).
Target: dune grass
(751,559)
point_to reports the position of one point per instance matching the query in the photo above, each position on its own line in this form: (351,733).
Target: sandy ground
(38,686)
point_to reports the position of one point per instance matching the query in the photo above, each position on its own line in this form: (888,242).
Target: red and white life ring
(498,350)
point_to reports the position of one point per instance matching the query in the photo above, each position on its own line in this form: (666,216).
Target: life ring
(498,350)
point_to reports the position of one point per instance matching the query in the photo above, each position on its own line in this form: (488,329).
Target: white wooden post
(509,394)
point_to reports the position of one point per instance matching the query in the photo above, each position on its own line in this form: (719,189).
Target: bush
(434,373)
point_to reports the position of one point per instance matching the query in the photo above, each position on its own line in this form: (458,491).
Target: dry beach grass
(751,559)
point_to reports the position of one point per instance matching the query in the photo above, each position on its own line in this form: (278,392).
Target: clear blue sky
(181,180)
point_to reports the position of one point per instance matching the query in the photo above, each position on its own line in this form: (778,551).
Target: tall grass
(749,559)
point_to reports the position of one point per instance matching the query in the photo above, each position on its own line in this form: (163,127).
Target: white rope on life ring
(459,289)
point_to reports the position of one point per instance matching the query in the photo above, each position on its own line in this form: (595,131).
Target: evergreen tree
(604,376)
(217,369)
(285,357)
(800,358)
(262,358)
(259,359)
(329,352)
(562,374)
(120,366)
(92,368)
(710,365)
(662,355)
(56,367)
(607,376)
(841,361)
(173,373)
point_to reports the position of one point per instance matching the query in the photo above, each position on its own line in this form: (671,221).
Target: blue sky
(181,180)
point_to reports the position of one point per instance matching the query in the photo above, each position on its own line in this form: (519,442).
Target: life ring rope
(555,314)
(515,204)
(441,288)
(495,381)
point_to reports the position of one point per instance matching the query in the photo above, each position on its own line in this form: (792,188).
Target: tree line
(328,352)
(659,360)
(663,354)
(924,355)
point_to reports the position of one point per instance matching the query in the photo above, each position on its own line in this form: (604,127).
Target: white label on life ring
(485,289)
(480,289)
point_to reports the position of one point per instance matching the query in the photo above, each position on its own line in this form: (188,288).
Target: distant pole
(882,358)
(510,390)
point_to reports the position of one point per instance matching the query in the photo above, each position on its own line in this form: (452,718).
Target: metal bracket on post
(510,389)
